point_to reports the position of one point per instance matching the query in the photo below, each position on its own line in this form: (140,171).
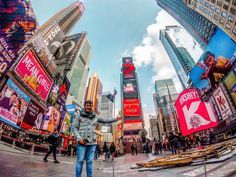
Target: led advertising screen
(194,115)
(130,88)
(13,104)
(132,107)
(51,119)
(63,92)
(230,83)
(161,101)
(17,21)
(133,126)
(222,103)
(128,70)
(127,60)
(215,62)
(33,118)
(34,75)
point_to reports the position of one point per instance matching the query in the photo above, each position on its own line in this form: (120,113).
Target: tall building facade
(197,25)
(66,17)
(164,100)
(179,56)
(94,92)
(78,74)
(221,12)
(106,106)
(131,102)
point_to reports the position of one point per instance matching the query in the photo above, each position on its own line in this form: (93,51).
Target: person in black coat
(53,141)
(112,150)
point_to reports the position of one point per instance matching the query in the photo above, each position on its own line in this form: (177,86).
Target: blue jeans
(85,152)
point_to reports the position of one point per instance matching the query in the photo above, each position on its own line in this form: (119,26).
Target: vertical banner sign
(33,117)
(34,75)
(63,92)
(13,104)
(222,103)
(51,119)
(7,53)
(194,115)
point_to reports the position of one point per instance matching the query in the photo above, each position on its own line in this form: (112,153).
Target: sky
(119,28)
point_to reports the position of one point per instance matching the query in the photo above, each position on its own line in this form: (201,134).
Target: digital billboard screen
(33,74)
(17,21)
(51,119)
(130,88)
(194,115)
(215,62)
(128,70)
(127,60)
(132,107)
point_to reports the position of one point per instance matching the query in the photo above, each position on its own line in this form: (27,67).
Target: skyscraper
(66,17)
(162,86)
(197,25)
(79,73)
(221,12)
(94,92)
(179,56)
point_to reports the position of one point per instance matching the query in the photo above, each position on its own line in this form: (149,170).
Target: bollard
(13,144)
(32,149)
(205,171)
(113,168)
(100,164)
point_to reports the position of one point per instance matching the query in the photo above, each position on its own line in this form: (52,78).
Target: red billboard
(132,107)
(194,115)
(34,75)
(128,70)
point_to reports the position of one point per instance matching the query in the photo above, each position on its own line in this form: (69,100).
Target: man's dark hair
(88,102)
(206,55)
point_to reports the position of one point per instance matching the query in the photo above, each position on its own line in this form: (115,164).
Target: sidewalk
(9,148)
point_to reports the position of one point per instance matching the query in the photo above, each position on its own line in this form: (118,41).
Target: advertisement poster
(194,115)
(63,92)
(132,107)
(161,101)
(215,62)
(7,53)
(67,51)
(18,21)
(127,60)
(13,104)
(51,119)
(230,83)
(222,103)
(33,118)
(130,88)
(66,124)
(34,75)
(133,126)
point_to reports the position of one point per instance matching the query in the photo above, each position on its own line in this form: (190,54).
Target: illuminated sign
(132,107)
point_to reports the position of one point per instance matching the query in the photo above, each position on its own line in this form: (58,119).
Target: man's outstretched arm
(106,121)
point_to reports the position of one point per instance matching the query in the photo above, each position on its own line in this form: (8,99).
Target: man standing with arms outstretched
(84,128)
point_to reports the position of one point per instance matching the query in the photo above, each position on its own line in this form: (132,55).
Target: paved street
(16,164)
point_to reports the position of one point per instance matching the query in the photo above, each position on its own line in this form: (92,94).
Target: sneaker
(45,160)
(56,161)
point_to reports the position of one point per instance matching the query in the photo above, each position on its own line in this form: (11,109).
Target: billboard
(161,101)
(133,126)
(7,53)
(127,60)
(128,70)
(51,119)
(52,37)
(67,51)
(222,103)
(132,107)
(63,92)
(17,21)
(230,83)
(215,62)
(34,75)
(33,117)
(194,115)
(13,104)
(130,88)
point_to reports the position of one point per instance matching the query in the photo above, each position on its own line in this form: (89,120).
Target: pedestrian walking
(132,149)
(53,141)
(105,150)
(84,126)
(136,149)
(112,150)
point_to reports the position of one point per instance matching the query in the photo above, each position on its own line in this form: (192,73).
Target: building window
(217,10)
(227,26)
(216,17)
(230,18)
(212,7)
(234,31)
(223,14)
(234,2)
(210,13)
(213,1)
(206,4)
(222,20)
(219,3)
(225,7)
(233,11)
(205,10)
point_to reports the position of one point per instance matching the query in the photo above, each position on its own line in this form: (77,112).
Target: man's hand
(82,142)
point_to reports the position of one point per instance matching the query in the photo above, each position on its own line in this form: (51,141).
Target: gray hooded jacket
(84,126)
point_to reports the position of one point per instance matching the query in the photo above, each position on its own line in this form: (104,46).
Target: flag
(114,94)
